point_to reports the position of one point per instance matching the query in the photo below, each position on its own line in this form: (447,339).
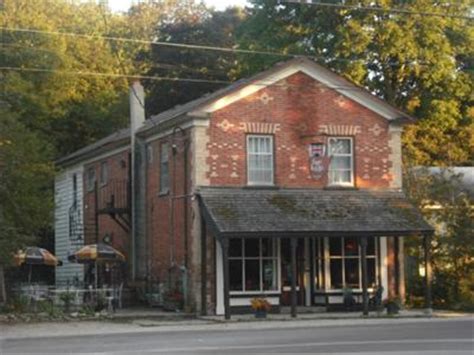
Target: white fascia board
(319,74)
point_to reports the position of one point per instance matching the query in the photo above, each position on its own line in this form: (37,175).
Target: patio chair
(118,296)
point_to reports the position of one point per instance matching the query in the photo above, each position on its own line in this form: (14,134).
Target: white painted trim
(268,136)
(318,73)
(384,266)
(343,184)
(219,280)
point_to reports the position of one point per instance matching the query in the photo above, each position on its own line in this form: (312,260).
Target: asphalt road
(434,337)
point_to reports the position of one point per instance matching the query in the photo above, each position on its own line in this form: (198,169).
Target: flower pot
(392,308)
(260,314)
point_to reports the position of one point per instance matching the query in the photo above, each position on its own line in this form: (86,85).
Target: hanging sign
(317,159)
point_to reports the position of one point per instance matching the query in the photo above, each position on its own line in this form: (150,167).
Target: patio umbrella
(36,256)
(95,253)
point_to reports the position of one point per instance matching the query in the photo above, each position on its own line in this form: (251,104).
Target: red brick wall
(166,243)
(118,174)
(298,111)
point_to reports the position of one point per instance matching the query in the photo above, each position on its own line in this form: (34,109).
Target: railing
(114,197)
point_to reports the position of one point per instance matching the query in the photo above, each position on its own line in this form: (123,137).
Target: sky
(123,5)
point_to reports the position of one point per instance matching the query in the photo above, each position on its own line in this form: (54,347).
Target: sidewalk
(125,325)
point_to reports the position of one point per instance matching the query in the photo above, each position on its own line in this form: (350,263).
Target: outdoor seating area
(101,290)
(72,298)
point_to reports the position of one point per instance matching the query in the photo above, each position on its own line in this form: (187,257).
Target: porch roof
(247,212)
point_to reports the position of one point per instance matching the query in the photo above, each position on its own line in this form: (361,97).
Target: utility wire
(155,43)
(192,46)
(353,87)
(195,46)
(122,66)
(113,75)
(375,9)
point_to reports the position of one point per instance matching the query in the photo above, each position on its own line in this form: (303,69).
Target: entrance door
(286,274)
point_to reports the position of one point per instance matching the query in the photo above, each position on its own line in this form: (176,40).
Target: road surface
(453,336)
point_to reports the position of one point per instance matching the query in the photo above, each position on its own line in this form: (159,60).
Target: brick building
(293,172)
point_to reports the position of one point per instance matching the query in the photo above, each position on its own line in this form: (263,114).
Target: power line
(155,43)
(113,75)
(135,94)
(376,9)
(199,47)
(352,87)
(185,45)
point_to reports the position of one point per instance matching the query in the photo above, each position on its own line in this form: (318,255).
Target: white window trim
(250,183)
(351,155)
(277,258)
(327,270)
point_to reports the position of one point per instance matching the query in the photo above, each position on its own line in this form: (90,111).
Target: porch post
(365,295)
(428,300)
(294,243)
(203,268)
(225,264)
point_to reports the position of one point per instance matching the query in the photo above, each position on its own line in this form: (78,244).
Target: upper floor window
(104,173)
(164,168)
(341,165)
(90,179)
(260,160)
(74,189)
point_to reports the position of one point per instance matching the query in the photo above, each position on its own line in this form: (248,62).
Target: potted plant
(173,300)
(67,299)
(393,305)
(260,306)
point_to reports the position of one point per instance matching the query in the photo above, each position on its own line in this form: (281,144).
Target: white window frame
(276,258)
(351,155)
(327,264)
(261,136)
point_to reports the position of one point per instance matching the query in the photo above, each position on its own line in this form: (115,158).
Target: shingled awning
(246,212)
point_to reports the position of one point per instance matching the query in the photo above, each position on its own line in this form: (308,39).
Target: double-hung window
(253,265)
(103,173)
(260,160)
(341,165)
(164,168)
(90,179)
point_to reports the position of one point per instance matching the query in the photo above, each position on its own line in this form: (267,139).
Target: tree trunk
(3,291)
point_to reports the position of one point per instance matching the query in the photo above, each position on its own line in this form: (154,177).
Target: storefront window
(345,263)
(253,265)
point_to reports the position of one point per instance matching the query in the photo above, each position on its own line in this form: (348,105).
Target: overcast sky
(123,5)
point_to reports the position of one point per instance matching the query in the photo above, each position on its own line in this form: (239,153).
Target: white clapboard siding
(63,200)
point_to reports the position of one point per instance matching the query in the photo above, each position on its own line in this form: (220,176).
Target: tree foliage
(200,26)
(422,64)
(25,184)
(448,204)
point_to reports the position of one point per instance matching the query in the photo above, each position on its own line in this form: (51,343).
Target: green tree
(422,64)
(71,110)
(197,25)
(448,204)
(25,187)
